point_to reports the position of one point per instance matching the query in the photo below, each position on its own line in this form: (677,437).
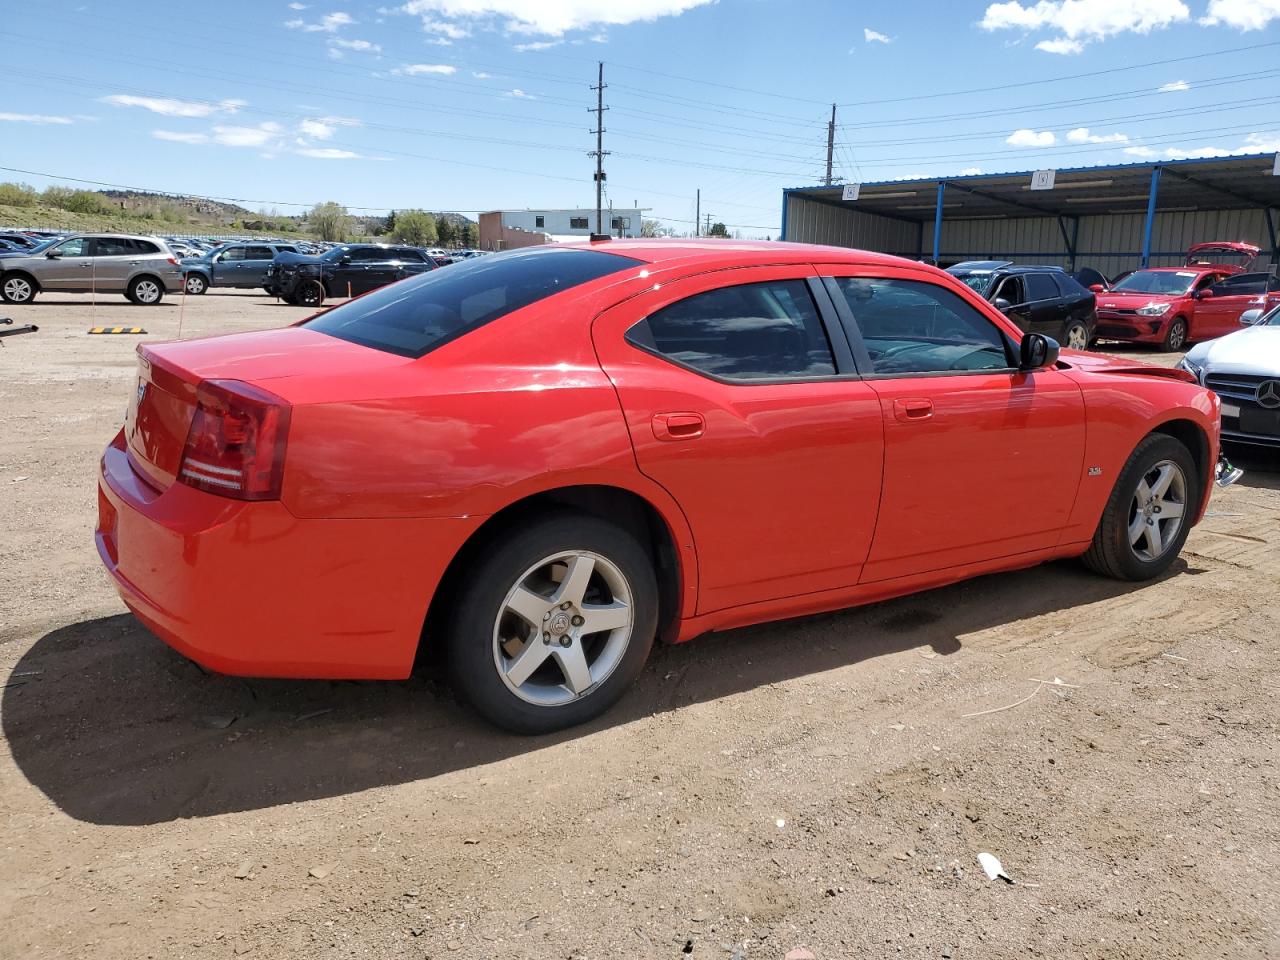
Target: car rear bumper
(249,589)
(1131,328)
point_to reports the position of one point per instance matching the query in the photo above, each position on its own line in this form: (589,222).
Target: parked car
(19,241)
(144,269)
(239,265)
(1044,300)
(347,270)
(40,247)
(542,459)
(1243,369)
(1174,306)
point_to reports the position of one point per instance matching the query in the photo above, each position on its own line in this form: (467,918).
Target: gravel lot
(821,783)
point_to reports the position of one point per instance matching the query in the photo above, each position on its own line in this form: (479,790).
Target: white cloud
(259,136)
(1175,86)
(1242,14)
(41,118)
(364,46)
(1062,45)
(1082,135)
(481,75)
(1031,138)
(550,19)
(323,128)
(447,31)
(329,23)
(538,45)
(175,137)
(520,94)
(971,172)
(175,108)
(1079,22)
(1253,143)
(328,153)
(297,6)
(875,36)
(1144,152)
(423,69)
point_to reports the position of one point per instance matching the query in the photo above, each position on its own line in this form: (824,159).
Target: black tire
(1111,553)
(145,291)
(310,293)
(1175,338)
(18,288)
(1082,339)
(470,642)
(197,284)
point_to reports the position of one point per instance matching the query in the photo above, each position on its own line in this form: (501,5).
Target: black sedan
(347,270)
(1044,300)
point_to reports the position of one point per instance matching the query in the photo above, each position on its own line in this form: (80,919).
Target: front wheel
(18,289)
(1149,514)
(310,294)
(145,291)
(1075,336)
(196,284)
(1175,338)
(551,627)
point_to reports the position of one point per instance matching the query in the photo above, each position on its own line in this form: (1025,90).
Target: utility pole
(708,230)
(831,142)
(697,215)
(600,152)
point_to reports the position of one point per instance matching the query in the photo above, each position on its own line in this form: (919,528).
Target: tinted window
(366,254)
(1040,286)
(416,315)
(755,331)
(145,246)
(914,327)
(1241,283)
(258,253)
(1068,286)
(408,255)
(1011,289)
(284,248)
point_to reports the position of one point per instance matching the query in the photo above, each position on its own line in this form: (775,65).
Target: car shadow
(116,728)
(1261,466)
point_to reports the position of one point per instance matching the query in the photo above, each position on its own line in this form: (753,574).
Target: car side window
(231,254)
(75,247)
(283,248)
(1010,289)
(111,247)
(752,331)
(909,326)
(408,256)
(1040,286)
(257,253)
(1241,283)
(367,254)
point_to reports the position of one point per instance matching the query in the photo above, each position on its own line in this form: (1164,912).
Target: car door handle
(678,426)
(907,409)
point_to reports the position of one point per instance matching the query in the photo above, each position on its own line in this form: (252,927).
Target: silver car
(144,269)
(1243,369)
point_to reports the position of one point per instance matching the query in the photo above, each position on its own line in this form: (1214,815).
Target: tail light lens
(236,444)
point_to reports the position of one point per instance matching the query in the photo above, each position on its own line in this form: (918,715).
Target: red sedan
(544,459)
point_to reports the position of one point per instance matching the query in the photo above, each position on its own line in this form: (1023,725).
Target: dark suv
(347,270)
(1044,300)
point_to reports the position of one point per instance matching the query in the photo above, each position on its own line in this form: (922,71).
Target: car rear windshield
(417,315)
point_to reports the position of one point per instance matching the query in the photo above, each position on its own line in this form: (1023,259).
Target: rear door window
(1040,286)
(257,253)
(754,331)
(417,315)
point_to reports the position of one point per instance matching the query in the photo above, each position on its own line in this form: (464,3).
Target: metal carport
(1111,218)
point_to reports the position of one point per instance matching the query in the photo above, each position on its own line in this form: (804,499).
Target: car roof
(673,251)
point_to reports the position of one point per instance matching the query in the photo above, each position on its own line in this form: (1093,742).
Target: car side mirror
(1001,304)
(1205,294)
(1097,288)
(344,261)
(1250,317)
(53,254)
(1037,352)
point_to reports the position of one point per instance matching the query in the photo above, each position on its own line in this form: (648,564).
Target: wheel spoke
(529,606)
(601,617)
(528,660)
(1165,477)
(1143,494)
(575,581)
(1137,528)
(1154,542)
(573,663)
(1170,510)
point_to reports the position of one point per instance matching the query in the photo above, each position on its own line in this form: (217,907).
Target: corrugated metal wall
(1111,243)
(811,222)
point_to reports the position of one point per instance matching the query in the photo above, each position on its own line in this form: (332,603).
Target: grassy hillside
(44,216)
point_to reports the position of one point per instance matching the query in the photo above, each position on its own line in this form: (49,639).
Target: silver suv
(142,268)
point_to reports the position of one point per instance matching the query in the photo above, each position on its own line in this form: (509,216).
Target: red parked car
(542,460)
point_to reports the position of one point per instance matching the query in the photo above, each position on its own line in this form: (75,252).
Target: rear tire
(196,284)
(1159,477)
(18,288)
(145,291)
(1075,335)
(520,646)
(1175,338)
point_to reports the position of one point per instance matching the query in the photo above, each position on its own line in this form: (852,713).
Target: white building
(573,223)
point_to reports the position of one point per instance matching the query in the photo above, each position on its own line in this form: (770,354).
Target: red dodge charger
(542,460)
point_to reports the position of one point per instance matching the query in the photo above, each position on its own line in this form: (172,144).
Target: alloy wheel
(147,291)
(1077,337)
(1177,335)
(563,628)
(1157,510)
(195,285)
(17,290)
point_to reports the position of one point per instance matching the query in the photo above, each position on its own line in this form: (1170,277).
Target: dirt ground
(824,783)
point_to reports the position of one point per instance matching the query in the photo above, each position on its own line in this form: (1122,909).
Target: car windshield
(1271,319)
(43,245)
(417,315)
(1164,282)
(979,282)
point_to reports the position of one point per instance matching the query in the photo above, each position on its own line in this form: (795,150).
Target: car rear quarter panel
(1121,409)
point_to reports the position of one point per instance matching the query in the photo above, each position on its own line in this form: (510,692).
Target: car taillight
(174,261)
(236,444)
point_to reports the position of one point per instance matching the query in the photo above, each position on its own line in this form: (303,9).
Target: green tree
(650,228)
(390,225)
(470,235)
(718,230)
(416,227)
(18,195)
(329,221)
(446,231)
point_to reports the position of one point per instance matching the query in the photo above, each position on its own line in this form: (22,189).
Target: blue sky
(483,104)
